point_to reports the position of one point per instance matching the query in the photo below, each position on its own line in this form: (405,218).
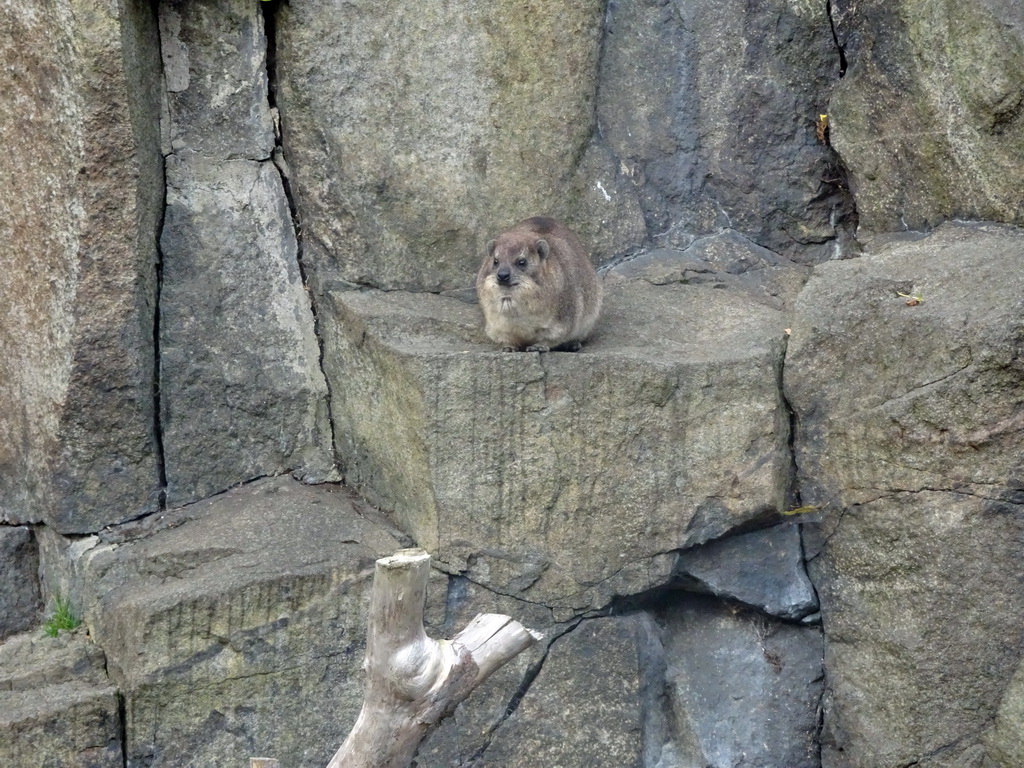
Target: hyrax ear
(543,248)
(490,247)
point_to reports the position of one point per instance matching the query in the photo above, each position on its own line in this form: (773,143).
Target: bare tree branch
(412,681)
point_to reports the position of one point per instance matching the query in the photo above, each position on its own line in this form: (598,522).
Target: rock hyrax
(537,288)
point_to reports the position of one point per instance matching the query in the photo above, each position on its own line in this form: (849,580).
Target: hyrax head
(516,260)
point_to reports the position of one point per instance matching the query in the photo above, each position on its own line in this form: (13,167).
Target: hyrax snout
(537,288)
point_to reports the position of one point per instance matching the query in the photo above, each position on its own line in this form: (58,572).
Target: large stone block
(922,595)
(81,191)
(417,132)
(564,478)
(242,395)
(913,456)
(236,626)
(928,119)
(215,67)
(930,396)
(56,706)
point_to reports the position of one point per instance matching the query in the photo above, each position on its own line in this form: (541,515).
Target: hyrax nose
(504,275)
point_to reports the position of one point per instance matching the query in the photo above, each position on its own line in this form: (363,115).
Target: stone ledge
(230,620)
(56,705)
(489,459)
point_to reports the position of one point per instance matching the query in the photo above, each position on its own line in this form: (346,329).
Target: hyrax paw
(538,348)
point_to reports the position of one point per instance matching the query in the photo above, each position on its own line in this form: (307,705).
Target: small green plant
(61,618)
(913,299)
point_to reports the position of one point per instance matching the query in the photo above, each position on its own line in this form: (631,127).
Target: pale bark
(413,681)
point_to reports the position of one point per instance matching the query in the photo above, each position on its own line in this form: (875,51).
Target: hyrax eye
(495,262)
(520,263)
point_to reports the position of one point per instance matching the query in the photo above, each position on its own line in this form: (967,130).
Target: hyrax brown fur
(537,288)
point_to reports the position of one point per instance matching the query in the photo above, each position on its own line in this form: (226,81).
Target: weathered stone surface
(921,601)
(743,689)
(566,478)
(1006,739)
(20,603)
(56,706)
(763,568)
(929,396)
(236,626)
(417,132)
(414,133)
(712,116)
(215,65)
(242,395)
(725,259)
(81,191)
(583,708)
(929,116)
(909,434)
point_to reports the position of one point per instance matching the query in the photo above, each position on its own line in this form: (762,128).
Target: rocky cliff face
(769,515)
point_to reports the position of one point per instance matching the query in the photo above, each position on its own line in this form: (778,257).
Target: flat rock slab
(56,705)
(238,619)
(565,478)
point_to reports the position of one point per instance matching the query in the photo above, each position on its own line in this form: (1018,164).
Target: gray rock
(712,116)
(215,67)
(927,120)
(917,598)
(583,707)
(417,132)
(56,706)
(20,602)
(764,569)
(743,689)
(562,478)
(1005,741)
(933,389)
(236,626)
(726,259)
(81,193)
(242,395)
(908,441)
